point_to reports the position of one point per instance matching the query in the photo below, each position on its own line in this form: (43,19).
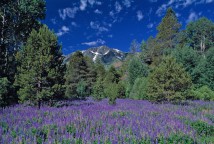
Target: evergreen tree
(91,75)
(17,19)
(205,70)
(168,30)
(168,82)
(112,76)
(190,60)
(98,89)
(40,70)
(79,69)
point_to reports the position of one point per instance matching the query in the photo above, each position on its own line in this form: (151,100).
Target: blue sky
(81,24)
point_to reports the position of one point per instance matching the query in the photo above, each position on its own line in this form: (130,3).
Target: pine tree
(40,68)
(168,30)
(17,19)
(205,69)
(168,82)
(79,69)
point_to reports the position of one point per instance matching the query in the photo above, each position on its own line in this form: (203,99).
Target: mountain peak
(103,53)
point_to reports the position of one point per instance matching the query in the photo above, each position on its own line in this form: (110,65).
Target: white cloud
(118,7)
(68,12)
(180,3)
(63,31)
(151,25)
(83,4)
(53,21)
(139,15)
(98,11)
(91,2)
(96,26)
(192,17)
(127,3)
(94,43)
(74,24)
(209,1)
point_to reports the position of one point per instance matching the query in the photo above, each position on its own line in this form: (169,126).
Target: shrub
(202,93)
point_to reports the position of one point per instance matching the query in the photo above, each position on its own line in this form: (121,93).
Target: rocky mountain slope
(105,54)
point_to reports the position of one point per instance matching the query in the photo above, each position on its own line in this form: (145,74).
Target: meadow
(91,122)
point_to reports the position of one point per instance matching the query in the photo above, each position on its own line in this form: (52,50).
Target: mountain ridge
(105,54)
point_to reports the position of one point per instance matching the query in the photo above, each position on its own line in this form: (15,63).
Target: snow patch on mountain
(96,55)
(106,52)
(117,50)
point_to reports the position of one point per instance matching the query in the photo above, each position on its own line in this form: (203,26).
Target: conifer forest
(160,92)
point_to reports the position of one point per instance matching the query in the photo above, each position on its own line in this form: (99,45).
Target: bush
(202,93)
(139,89)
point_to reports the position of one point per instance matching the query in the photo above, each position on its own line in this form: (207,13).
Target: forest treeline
(173,66)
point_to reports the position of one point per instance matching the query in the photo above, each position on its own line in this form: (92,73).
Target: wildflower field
(90,122)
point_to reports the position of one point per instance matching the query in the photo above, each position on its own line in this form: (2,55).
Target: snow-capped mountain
(103,53)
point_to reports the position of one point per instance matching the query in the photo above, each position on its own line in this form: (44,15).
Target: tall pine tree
(80,70)
(40,68)
(168,30)
(17,19)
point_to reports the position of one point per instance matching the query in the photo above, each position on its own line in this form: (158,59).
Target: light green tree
(168,82)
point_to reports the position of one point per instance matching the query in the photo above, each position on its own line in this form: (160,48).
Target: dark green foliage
(151,51)
(121,90)
(202,93)
(199,34)
(168,82)
(112,76)
(189,58)
(205,69)
(202,128)
(100,69)
(79,69)
(136,69)
(139,89)
(168,29)
(17,20)
(4,85)
(40,70)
